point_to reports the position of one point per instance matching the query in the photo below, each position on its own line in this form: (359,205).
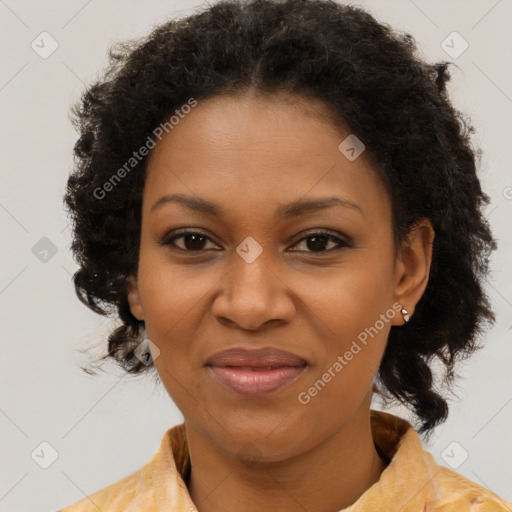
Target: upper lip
(255,357)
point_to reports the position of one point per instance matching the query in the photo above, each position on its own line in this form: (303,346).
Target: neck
(330,477)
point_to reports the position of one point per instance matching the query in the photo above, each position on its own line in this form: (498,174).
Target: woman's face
(250,277)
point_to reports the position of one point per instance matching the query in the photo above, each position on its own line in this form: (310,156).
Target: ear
(412,267)
(134,298)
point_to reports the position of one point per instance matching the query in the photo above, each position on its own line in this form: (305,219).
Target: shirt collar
(412,480)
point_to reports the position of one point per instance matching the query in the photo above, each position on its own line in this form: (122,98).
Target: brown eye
(191,241)
(318,242)
(195,241)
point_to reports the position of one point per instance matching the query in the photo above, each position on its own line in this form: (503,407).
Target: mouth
(252,381)
(255,372)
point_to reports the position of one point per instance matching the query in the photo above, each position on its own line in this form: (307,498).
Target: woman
(281,205)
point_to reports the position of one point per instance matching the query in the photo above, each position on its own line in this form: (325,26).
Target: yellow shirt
(412,481)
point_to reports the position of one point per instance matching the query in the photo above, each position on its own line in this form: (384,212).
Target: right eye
(191,241)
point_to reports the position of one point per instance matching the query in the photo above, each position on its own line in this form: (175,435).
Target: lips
(255,372)
(255,358)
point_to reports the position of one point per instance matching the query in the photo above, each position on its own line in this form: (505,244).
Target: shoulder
(454,492)
(158,484)
(446,490)
(414,482)
(114,497)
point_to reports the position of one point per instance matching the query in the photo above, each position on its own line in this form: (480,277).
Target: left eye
(318,241)
(194,241)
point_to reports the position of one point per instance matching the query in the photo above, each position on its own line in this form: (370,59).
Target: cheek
(169,292)
(355,309)
(352,298)
(342,381)
(354,344)
(174,300)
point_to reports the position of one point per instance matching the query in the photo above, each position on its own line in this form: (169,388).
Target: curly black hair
(374,83)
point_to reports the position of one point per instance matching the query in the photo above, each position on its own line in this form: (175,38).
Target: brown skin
(249,155)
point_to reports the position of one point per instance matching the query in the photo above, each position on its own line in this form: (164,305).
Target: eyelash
(168,241)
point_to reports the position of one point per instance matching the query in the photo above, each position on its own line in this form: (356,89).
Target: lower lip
(256,383)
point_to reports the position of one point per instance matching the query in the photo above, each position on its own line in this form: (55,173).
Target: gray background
(104,428)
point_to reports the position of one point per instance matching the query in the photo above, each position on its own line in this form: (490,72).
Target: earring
(406,315)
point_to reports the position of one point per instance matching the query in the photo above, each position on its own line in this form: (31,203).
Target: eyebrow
(286,211)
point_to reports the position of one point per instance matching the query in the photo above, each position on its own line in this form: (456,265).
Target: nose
(253,295)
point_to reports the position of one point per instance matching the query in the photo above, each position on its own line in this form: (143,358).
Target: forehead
(260,152)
